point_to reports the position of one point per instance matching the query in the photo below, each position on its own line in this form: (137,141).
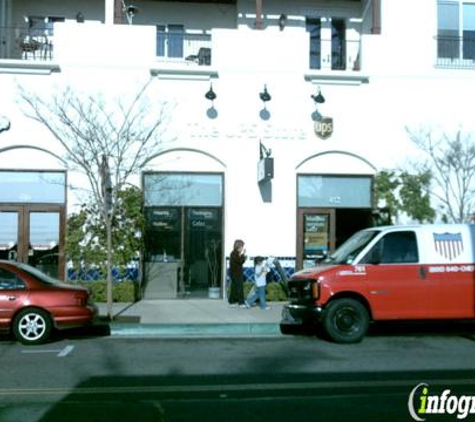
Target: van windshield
(347,252)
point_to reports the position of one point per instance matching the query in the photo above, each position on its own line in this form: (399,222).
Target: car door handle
(11,298)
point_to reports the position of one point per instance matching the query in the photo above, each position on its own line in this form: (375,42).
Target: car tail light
(81,299)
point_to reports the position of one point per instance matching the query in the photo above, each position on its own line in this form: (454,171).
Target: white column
(109,4)
(326,52)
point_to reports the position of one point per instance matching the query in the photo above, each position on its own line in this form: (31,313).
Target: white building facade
(312,99)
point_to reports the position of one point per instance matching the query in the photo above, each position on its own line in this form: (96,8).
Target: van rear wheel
(346,320)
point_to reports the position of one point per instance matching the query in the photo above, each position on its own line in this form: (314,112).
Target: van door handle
(422,272)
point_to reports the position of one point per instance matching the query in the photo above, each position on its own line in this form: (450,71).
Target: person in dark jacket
(236,262)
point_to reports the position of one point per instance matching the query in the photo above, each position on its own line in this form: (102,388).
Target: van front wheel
(346,320)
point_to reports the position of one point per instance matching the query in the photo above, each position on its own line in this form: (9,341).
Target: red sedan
(32,304)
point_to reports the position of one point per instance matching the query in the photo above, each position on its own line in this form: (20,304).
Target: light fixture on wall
(210,95)
(282,21)
(80,17)
(4,124)
(265,96)
(212,113)
(318,98)
(130,11)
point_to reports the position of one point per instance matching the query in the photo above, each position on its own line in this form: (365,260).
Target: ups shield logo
(324,127)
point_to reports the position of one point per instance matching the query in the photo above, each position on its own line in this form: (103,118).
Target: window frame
(376,254)
(455,43)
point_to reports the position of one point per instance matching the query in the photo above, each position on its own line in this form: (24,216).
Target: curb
(233,329)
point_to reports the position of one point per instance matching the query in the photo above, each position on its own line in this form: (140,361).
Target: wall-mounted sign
(324,127)
(265,169)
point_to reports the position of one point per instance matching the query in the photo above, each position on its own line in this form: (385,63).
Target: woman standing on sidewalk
(236,262)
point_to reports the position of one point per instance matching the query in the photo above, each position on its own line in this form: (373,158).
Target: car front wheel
(346,320)
(32,326)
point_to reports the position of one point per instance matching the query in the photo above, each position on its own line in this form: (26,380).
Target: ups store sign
(324,127)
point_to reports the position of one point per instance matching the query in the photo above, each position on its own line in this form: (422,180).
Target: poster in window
(316,234)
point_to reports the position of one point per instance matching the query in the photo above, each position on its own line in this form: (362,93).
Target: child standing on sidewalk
(260,271)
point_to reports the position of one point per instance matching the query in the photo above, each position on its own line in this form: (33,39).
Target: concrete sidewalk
(192,317)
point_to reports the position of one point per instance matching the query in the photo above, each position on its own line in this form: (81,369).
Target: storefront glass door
(190,239)
(183,234)
(8,234)
(34,235)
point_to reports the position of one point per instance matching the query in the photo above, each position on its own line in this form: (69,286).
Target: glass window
(468,31)
(394,248)
(170,40)
(44,230)
(9,280)
(347,252)
(180,189)
(314,27)
(32,187)
(456,29)
(334,191)
(163,234)
(175,40)
(8,234)
(338,44)
(161,40)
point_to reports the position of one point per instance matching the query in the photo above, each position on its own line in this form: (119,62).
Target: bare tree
(450,159)
(107,140)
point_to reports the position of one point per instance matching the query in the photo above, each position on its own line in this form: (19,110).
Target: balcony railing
(456,52)
(335,54)
(184,47)
(76,41)
(21,43)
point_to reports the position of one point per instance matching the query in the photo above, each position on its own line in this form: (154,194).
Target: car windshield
(347,252)
(38,274)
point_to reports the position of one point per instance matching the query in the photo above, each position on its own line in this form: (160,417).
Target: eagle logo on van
(448,245)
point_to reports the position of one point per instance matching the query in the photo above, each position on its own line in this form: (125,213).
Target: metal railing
(335,54)
(183,47)
(456,52)
(26,44)
(177,47)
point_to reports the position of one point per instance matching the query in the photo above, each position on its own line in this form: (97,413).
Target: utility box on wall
(265,169)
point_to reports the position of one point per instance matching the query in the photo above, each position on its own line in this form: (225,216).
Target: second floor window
(314,27)
(170,40)
(456,29)
(327,51)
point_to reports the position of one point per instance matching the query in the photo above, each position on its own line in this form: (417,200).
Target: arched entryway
(184,225)
(33,211)
(334,200)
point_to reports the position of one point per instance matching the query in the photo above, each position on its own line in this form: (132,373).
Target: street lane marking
(183,389)
(66,351)
(60,353)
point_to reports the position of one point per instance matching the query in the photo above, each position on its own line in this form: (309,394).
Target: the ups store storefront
(33,219)
(184,238)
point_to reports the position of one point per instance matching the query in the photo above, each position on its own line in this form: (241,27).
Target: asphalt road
(81,377)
